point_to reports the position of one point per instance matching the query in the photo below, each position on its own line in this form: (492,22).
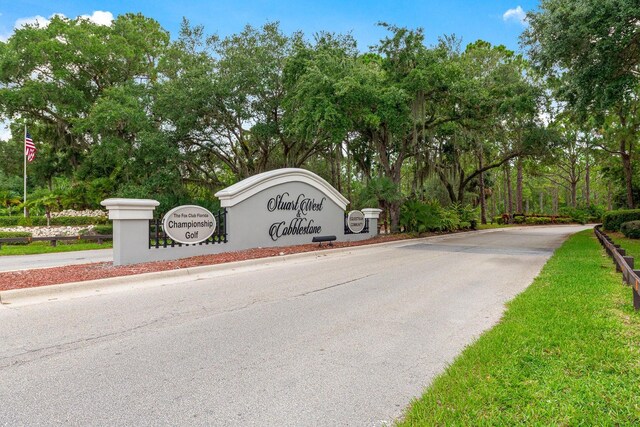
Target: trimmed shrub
(9,221)
(12,234)
(612,220)
(25,222)
(576,214)
(103,229)
(538,220)
(561,220)
(9,234)
(631,229)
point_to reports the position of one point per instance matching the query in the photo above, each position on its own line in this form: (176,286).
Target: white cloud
(5,132)
(515,14)
(32,20)
(99,17)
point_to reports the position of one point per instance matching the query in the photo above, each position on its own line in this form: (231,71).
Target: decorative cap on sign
(246,188)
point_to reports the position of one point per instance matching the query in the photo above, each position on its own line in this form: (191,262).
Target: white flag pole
(25,170)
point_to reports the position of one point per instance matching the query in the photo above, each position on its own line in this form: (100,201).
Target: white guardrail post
(130,228)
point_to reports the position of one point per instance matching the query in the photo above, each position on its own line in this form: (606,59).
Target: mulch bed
(101,270)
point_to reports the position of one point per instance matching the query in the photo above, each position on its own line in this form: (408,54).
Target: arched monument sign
(277,208)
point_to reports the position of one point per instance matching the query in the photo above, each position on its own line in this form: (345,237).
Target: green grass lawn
(631,245)
(567,352)
(45,247)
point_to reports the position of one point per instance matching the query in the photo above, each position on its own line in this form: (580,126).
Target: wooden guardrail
(624,264)
(54,239)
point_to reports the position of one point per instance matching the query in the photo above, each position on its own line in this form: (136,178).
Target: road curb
(37,294)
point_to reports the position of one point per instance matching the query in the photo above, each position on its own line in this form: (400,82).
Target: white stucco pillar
(372,214)
(130,228)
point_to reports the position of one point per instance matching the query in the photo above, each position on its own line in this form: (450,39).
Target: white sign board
(189,224)
(355,221)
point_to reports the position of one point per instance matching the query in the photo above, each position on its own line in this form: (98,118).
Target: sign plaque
(355,221)
(189,224)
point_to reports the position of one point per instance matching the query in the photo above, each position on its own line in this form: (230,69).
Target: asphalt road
(26,262)
(330,339)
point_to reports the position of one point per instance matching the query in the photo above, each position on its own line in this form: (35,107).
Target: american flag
(29,147)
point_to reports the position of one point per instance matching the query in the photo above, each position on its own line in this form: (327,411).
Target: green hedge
(9,221)
(631,229)
(612,220)
(538,220)
(103,229)
(13,221)
(12,234)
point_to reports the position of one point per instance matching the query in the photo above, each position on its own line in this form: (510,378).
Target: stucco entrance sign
(282,207)
(285,207)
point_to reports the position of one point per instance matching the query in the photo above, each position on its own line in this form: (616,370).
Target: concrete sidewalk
(59,259)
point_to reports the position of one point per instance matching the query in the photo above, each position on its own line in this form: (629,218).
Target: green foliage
(103,229)
(45,247)
(612,220)
(466,213)
(520,219)
(592,43)
(595,213)
(29,222)
(378,192)
(9,221)
(576,214)
(122,111)
(631,229)
(538,220)
(9,234)
(449,219)
(416,216)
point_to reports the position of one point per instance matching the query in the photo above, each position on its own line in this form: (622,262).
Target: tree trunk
(348,171)
(483,200)
(519,208)
(587,181)
(541,202)
(493,207)
(507,175)
(394,216)
(628,177)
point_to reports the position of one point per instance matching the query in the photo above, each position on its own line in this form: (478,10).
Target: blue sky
(496,21)
(470,19)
